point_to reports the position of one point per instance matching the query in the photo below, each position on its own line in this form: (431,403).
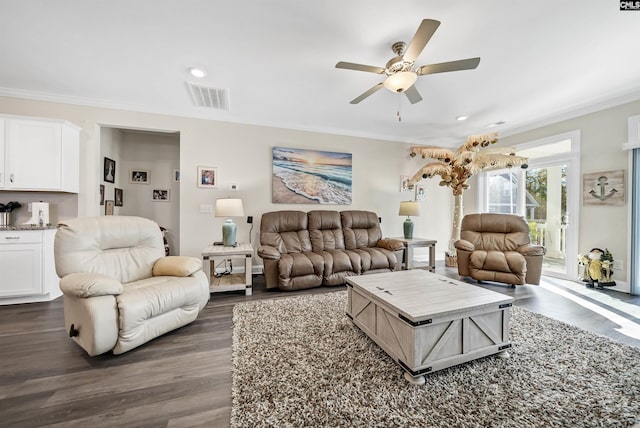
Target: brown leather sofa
(497,247)
(304,250)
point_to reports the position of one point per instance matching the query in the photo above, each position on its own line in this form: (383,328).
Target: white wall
(242,154)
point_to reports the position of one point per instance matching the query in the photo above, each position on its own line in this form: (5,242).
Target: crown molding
(572,113)
(94,102)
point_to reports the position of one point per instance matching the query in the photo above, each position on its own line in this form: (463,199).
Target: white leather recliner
(119,289)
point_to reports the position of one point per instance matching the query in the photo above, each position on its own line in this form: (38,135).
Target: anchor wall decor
(603,188)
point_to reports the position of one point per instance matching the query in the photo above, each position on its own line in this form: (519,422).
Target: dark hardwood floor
(183,379)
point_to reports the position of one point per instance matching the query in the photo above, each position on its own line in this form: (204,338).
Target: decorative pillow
(390,244)
(85,284)
(176,266)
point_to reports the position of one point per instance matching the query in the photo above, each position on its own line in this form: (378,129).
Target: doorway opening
(146,181)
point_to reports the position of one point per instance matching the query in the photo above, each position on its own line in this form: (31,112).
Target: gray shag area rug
(300,362)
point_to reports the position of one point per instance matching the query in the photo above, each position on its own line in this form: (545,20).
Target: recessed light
(498,123)
(197,72)
(461,118)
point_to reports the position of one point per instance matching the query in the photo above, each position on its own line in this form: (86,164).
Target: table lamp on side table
(409,208)
(229,208)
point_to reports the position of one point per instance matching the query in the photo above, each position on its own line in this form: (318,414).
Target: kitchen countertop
(27,227)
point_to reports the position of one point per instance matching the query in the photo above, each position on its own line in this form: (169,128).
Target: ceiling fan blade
(413,94)
(462,64)
(366,94)
(420,39)
(360,67)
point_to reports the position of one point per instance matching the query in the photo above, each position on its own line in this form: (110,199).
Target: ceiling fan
(400,71)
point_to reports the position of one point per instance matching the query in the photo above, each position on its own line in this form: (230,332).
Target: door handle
(11,178)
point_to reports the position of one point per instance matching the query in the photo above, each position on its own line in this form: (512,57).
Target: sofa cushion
(176,266)
(390,244)
(151,307)
(286,231)
(121,247)
(300,270)
(495,232)
(325,230)
(486,265)
(361,229)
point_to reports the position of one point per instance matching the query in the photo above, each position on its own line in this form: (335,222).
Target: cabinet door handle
(11,178)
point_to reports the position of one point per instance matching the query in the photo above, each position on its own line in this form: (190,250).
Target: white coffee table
(428,322)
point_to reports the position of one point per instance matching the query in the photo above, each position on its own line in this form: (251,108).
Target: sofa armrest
(268,252)
(86,284)
(390,244)
(176,266)
(532,250)
(463,245)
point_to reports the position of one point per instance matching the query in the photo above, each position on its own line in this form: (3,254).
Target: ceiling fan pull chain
(399,106)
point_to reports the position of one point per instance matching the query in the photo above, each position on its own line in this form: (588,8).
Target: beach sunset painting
(303,176)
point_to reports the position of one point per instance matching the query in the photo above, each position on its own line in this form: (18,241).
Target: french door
(547,195)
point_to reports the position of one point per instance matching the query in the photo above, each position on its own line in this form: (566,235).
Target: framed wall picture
(603,188)
(404,183)
(109,170)
(108,207)
(160,195)
(304,176)
(118,197)
(176,175)
(421,192)
(102,194)
(139,176)
(207,177)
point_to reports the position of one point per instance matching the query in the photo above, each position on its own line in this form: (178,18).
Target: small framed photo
(421,192)
(102,194)
(207,177)
(109,170)
(108,207)
(176,176)
(139,176)
(404,183)
(161,195)
(118,197)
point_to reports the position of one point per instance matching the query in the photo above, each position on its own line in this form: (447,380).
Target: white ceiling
(541,59)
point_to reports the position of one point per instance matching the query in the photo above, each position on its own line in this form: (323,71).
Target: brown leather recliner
(322,247)
(497,247)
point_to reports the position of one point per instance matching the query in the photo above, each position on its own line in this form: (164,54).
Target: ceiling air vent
(205,96)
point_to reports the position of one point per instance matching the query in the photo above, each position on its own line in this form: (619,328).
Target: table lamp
(229,208)
(409,208)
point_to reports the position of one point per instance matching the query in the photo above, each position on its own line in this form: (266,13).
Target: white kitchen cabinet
(40,155)
(27,267)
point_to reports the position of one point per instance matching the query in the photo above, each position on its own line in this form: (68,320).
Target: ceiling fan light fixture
(400,81)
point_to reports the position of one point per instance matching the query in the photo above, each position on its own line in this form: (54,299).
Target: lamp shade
(229,208)
(409,208)
(400,81)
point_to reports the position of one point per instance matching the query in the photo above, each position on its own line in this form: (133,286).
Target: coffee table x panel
(428,322)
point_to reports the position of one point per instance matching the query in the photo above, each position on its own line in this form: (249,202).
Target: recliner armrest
(532,250)
(390,244)
(86,284)
(268,252)
(176,266)
(463,245)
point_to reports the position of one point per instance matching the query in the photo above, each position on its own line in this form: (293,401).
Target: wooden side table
(213,255)
(410,244)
